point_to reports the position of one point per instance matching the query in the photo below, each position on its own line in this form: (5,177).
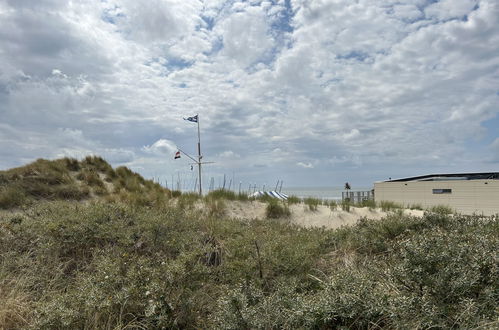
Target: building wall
(467,197)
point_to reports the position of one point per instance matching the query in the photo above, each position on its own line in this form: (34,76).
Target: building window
(442,191)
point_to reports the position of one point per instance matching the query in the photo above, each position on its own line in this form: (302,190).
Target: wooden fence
(357,196)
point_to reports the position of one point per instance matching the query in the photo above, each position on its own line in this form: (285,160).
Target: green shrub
(91,178)
(312,203)
(276,209)
(370,203)
(69,192)
(242,197)
(96,163)
(72,164)
(11,196)
(333,205)
(216,207)
(294,200)
(442,209)
(265,198)
(416,207)
(389,206)
(222,194)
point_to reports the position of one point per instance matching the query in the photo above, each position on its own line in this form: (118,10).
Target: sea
(325,193)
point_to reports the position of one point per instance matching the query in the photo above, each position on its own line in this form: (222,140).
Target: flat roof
(451,176)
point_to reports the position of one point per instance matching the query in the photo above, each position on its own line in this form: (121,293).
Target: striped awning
(273,194)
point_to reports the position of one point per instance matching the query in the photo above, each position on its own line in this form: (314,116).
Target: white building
(466,193)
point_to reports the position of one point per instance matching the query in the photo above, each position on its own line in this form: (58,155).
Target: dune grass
(293,200)
(312,203)
(227,195)
(387,206)
(277,209)
(109,265)
(137,257)
(70,179)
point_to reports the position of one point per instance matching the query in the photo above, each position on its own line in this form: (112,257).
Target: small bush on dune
(441,209)
(312,203)
(216,206)
(90,177)
(96,163)
(333,205)
(176,193)
(11,196)
(242,197)
(389,206)
(186,201)
(416,207)
(265,198)
(294,200)
(370,203)
(72,164)
(276,209)
(222,194)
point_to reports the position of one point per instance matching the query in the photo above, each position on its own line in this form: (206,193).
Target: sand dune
(301,215)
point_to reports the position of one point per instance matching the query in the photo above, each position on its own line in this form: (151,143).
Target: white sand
(301,215)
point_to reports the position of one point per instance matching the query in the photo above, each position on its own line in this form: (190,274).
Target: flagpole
(199,158)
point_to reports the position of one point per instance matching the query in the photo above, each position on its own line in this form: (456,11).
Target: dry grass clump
(442,209)
(227,195)
(312,203)
(294,200)
(389,206)
(277,209)
(15,304)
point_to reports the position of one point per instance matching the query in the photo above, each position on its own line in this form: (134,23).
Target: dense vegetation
(136,260)
(70,179)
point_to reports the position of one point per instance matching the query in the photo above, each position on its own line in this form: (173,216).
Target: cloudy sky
(312,92)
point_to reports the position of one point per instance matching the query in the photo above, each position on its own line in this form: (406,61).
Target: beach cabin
(466,193)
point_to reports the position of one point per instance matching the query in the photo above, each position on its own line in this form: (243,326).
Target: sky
(310,92)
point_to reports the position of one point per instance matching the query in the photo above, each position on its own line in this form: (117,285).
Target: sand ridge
(301,215)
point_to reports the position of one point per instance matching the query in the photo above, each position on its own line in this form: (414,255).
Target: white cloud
(448,9)
(305,165)
(246,36)
(228,154)
(161,147)
(390,86)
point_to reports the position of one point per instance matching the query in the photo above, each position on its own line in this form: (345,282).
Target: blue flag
(194,119)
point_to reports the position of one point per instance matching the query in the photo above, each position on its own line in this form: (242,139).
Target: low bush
(333,205)
(72,164)
(294,200)
(312,203)
(442,209)
(222,194)
(387,206)
(176,193)
(277,209)
(216,207)
(91,178)
(11,196)
(416,207)
(370,203)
